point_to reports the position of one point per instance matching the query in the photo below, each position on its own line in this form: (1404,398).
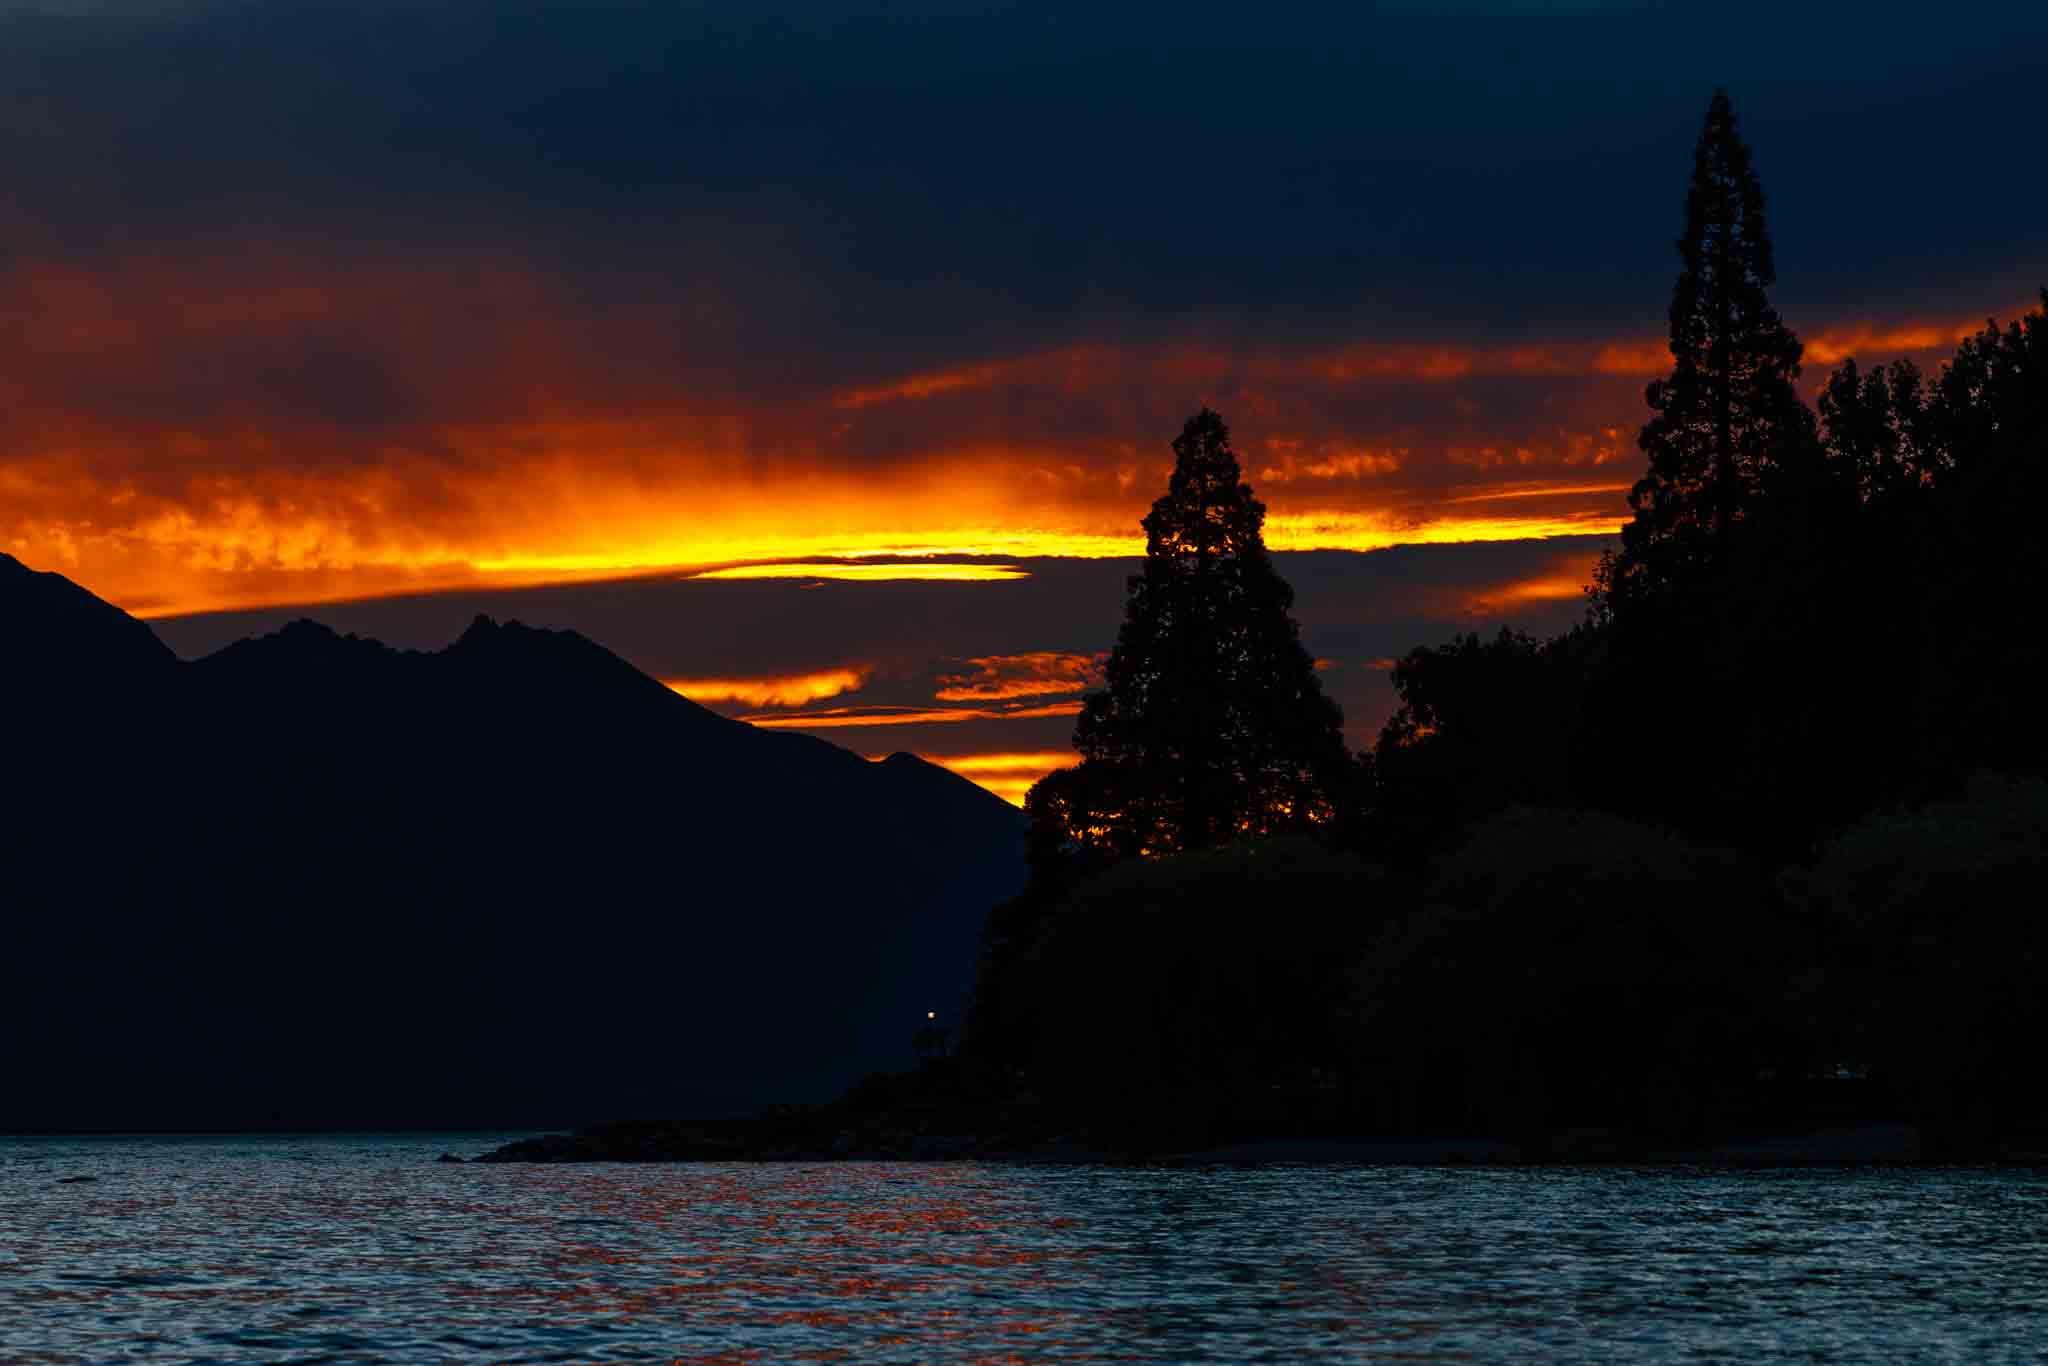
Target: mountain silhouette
(57,633)
(313,881)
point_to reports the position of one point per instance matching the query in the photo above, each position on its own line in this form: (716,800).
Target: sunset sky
(820,359)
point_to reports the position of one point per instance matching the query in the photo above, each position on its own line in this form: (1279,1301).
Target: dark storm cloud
(949,177)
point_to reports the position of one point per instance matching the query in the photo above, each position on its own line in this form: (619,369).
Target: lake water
(362,1249)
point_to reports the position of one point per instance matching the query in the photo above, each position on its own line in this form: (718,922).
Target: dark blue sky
(933,177)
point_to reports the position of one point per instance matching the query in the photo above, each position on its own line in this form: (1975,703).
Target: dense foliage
(1565,967)
(1938,943)
(1153,974)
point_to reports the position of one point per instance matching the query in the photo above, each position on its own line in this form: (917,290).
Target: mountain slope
(511,881)
(57,632)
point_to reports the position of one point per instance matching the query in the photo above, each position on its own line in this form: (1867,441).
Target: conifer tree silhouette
(1213,725)
(1727,422)
(1712,611)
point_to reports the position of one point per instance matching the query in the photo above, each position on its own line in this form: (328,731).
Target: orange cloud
(1336,530)
(1071,369)
(1335,465)
(1079,369)
(1038,674)
(1568,491)
(789,690)
(871,573)
(1549,588)
(1643,358)
(1875,341)
(1442,364)
(1562,579)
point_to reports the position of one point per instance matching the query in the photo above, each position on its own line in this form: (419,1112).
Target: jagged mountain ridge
(311,880)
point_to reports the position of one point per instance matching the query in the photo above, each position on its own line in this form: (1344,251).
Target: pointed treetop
(1728,421)
(1208,510)
(1212,724)
(1724,207)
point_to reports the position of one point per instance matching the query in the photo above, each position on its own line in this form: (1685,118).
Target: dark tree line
(1729,833)
(1809,615)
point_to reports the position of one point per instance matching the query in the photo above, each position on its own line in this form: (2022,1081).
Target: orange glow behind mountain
(836,718)
(1009,776)
(267,539)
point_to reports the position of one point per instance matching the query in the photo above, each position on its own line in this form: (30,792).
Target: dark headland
(1552,988)
(1748,866)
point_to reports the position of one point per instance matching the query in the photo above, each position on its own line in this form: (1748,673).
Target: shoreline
(1865,1145)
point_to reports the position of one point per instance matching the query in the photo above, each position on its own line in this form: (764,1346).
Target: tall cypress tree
(1727,422)
(1213,724)
(1716,632)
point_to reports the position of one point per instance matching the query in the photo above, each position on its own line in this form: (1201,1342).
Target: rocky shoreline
(901,1119)
(1869,1145)
(843,1130)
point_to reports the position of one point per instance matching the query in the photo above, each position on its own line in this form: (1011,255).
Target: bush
(1573,968)
(1934,917)
(1179,975)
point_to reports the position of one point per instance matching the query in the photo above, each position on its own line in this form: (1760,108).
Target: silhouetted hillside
(57,632)
(311,880)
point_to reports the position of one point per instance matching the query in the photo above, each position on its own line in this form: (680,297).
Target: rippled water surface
(362,1249)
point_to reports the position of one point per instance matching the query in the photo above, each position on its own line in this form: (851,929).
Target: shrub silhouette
(1218,967)
(1938,948)
(1574,968)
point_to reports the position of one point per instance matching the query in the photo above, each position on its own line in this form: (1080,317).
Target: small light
(931,1014)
